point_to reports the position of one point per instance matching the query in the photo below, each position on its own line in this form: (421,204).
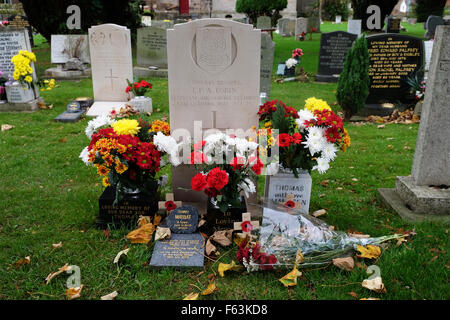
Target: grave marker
(431,24)
(354,26)
(301,26)
(263,23)
(151,52)
(267,53)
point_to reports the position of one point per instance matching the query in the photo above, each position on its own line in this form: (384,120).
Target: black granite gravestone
(333,49)
(184,248)
(393,58)
(393,25)
(217,220)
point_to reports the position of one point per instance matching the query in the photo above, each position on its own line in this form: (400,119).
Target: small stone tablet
(183,219)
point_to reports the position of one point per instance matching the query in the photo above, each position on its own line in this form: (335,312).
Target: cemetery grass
(47,196)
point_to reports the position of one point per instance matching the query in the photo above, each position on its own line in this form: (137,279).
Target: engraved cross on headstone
(214,122)
(111,77)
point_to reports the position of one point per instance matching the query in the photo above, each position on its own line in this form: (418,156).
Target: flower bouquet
(22,78)
(292,62)
(140,102)
(129,153)
(226,165)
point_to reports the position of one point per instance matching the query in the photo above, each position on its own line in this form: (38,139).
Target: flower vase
(289,72)
(142,103)
(217,220)
(279,186)
(19,93)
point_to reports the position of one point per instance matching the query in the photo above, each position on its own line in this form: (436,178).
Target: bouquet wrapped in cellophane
(288,237)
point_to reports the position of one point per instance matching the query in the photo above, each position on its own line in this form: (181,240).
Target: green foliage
(353,84)
(425,8)
(256,8)
(50,17)
(333,8)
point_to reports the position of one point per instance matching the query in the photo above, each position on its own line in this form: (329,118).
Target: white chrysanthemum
(168,145)
(316,132)
(272,168)
(329,151)
(84,155)
(304,115)
(291,62)
(163,180)
(247,186)
(322,165)
(215,138)
(315,144)
(96,123)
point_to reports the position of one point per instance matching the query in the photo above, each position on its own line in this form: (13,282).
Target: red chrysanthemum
(284,140)
(296,138)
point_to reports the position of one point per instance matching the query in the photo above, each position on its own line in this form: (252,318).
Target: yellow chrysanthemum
(28,79)
(313,104)
(126,126)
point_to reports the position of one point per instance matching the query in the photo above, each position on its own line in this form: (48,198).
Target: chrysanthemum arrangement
(128,153)
(23,72)
(308,139)
(227,165)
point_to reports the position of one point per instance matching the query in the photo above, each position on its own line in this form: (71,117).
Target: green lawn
(48,195)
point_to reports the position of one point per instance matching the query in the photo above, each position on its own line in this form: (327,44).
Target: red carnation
(217,178)
(257,165)
(284,140)
(170,205)
(237,163)
(197,157)
(199,145)
(198,182)
(212,192)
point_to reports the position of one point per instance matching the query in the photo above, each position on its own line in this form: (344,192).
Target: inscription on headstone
(152,47)
(183,219)
(11,42)
(333,49)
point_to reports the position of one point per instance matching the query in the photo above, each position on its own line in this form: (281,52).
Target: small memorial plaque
(183,219)
(181,250)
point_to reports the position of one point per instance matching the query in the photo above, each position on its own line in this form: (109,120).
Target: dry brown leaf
(123,252)
(191,296)
(299,258)
(143,220)
(375,284)
(141,235)
(22,262)
(324,183)
(162,233)
(210,248)
(201,222)
(62,140)
(370,251)
(64,268)
(73,293)
(290,279)
(346,264)
(57,245)
(110,296)
(225,267)
(222,237)
(157,220)
(319,213)
(353,294)
(211,289)
(6,127)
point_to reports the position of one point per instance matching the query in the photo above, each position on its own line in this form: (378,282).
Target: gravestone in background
(71,55)
(263,23)
(185,248)
(393,25)
(267,52)
(393,58)
(287,27)
(214,75)
(301,25)
(111,64)
(333,49)
(426,194)
(431,24)
(354,27)
(151,52)
(313,22)
(338,19)
(163,24)
(428,49)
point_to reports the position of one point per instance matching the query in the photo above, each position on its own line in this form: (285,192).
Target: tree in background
(425,8)
(50,16)
(360,9)
(255,8)
(354,81)
(333,8)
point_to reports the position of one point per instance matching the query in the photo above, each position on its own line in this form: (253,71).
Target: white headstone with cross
(111,63)
(247,225)
(214,68)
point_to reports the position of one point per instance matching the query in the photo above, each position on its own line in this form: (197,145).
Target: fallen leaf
(222,237)
(210,248)
(381,126)
(157,220)
(22,262)
(354,179)
(162,233)
(299,258)
(57,245)
(359,235)
(110,296)
(325,183)
(201,222)
(64,268)
(73,293)
(227,266)
(63,140)
(6,127)
(390,146)
(370,299)
(319,213)
(211,289)
(290,279)
(400,241)
(143,220)
(106,232)
(353,294)
(370,251)
(346,264)
(191,296)
(375,284)
(141,235)
(123,252)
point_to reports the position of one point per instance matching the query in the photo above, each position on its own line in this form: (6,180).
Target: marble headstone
(213,79)
(338,19)
(354,26)
(152,47)
(11,42)
(67,46)
(267,52)
(301,25)
(111,63)
(263,23)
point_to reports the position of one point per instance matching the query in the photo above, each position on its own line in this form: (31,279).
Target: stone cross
(246,225)
(169,197)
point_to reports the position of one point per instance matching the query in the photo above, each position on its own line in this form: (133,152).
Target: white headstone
(428,46)
(301,25)
(214,74)
(65,46)
(338,19)
(111,63)
(354,26)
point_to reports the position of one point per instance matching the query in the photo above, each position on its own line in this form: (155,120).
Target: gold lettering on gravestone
(180,249)
(19,23)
